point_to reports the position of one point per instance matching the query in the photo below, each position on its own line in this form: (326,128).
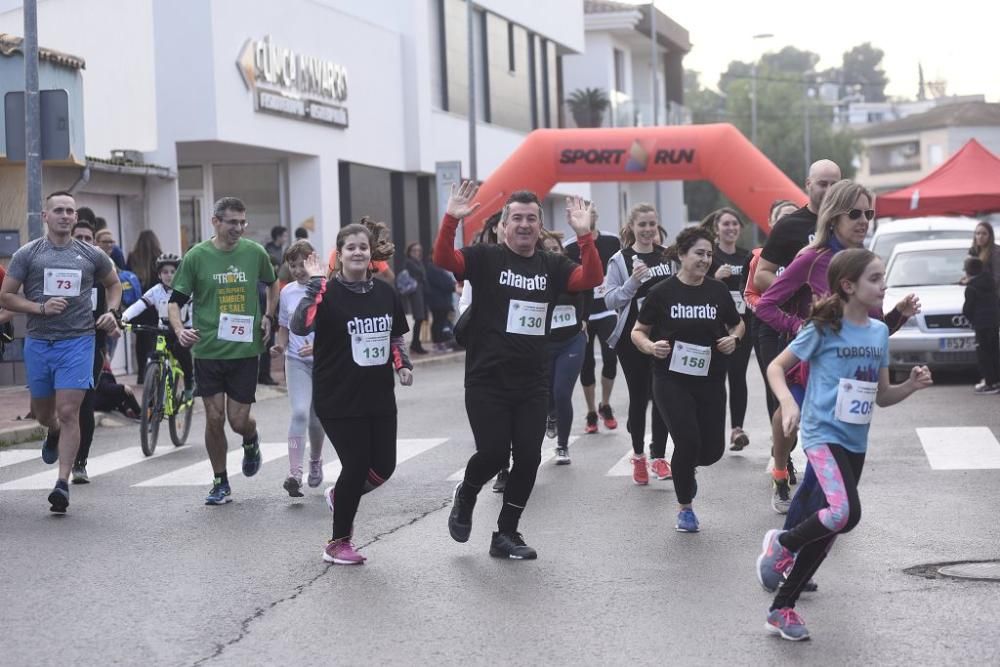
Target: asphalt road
(150,575)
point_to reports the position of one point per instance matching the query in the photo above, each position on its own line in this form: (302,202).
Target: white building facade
(314,112)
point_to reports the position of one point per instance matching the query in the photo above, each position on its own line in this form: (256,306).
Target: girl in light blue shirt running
(848,358)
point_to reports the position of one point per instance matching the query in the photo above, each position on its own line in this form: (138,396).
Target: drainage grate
(974,570)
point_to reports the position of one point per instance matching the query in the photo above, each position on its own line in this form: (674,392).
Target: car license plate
(952,344)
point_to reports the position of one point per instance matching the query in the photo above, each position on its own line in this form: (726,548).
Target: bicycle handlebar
(145,328)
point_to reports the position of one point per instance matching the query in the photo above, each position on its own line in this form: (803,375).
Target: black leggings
(769,345)
(505,422)
(838,472)
(87,425)
(638,371)
(696,413)
(736,372)
(988,354)
(599,329)
(366,447)
(565,358)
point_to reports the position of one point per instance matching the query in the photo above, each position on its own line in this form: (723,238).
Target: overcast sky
(956,41)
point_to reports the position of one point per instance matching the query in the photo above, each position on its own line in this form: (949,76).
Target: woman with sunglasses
(842,223)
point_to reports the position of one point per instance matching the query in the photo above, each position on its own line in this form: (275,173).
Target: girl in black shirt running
(689,324)
(359,325)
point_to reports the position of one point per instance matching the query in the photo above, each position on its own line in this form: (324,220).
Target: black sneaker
(591,426)
(50,448)
(562,456)
(511,545)
(59,498)
(460,518)
(500,485)
(792,479)
(551,428)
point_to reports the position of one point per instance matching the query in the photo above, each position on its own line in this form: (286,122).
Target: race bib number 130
(526,317)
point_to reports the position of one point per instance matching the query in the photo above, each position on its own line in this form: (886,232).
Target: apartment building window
(619,70)
(889,158)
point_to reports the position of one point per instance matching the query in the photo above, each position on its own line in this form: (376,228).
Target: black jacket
(981,307)
(440,288)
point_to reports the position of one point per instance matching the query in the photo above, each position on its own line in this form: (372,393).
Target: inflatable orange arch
(718,153)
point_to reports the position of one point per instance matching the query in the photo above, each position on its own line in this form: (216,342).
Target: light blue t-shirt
(855,352)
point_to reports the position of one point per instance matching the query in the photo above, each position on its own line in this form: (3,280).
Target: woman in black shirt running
(689,324)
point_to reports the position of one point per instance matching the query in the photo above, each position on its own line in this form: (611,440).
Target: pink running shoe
(342,552)
(640,471)
(661,469)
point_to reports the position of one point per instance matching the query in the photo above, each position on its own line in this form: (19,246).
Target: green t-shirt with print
(223,289)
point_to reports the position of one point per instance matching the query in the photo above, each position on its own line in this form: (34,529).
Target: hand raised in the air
(579,214)
(314,267)
(460,202)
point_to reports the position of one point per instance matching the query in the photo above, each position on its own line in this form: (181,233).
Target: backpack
(405,283)
(131,288)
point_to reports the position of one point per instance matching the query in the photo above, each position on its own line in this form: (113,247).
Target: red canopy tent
(967,184)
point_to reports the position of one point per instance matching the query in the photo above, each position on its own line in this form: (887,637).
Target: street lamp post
(753,92)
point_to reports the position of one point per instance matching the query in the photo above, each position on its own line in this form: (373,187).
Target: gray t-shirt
(46,271)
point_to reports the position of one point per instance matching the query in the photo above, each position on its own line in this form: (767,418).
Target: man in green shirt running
(220,275)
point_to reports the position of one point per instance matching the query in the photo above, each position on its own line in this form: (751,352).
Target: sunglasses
(856,213)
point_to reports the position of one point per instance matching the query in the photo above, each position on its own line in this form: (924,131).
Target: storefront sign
(291,84)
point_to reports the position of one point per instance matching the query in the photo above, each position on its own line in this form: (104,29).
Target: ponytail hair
(849,265)
(378,239)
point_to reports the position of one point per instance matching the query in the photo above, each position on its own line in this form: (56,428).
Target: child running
(298,351)
(359,326)
(848,356)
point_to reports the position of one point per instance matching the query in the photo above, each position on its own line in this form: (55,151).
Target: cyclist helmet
(167,258)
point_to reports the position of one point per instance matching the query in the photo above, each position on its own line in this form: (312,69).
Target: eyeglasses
(856,213)
(235,223)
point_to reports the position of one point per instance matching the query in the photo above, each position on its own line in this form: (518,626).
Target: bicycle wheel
(152,409)
(180,421)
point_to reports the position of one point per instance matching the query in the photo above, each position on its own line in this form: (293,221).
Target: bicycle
(163,394)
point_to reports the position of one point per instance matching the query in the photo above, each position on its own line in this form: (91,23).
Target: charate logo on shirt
(231,276)
(660,270)
(534,283)
(679,311)
(360,325)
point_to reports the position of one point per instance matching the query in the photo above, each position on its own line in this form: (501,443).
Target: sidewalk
(15,401)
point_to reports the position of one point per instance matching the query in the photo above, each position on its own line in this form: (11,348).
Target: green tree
(862,73)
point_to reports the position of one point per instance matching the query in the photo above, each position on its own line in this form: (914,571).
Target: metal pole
(806,130)
(32,121)
(653,57)
(753,103)
(471,22)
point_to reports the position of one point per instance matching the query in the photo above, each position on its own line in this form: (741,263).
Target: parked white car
(892,232)
(940,336)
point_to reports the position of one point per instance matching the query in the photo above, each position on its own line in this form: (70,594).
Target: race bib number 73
(62,282)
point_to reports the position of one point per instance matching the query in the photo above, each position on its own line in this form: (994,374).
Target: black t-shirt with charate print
(694,314)
(659,270)
(512,299)
(353,374)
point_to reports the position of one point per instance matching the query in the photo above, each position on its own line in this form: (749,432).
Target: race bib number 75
(236,328)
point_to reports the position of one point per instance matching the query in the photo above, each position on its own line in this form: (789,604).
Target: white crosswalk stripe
(406,449)
(97,466)
(548,453)
(200,473)
(960,448)
(9,457)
